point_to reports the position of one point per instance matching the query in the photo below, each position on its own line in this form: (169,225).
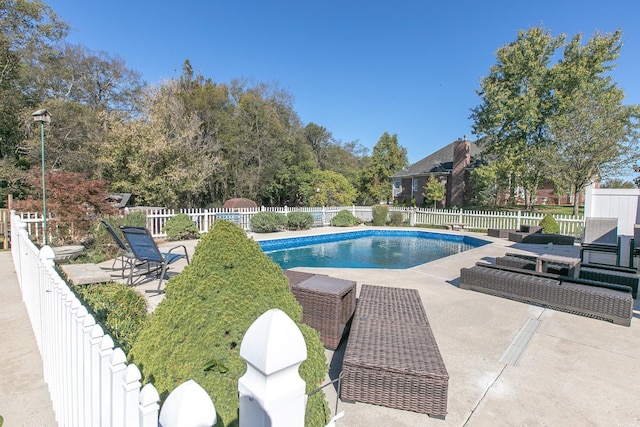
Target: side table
(573,264)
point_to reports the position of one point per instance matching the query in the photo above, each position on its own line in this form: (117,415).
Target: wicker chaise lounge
(605,301)
(392,358)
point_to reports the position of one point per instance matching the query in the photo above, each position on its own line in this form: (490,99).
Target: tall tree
(28,29)
(161,157)
(84,92)
(517,100)
(388,157)
(595,135)
(331,189)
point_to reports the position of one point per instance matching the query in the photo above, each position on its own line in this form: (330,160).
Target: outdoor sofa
(600,300)
(594,272)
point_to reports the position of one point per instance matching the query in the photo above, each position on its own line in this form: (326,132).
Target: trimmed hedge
(379,213)
(196,331)
(268,222)
(299,220)
(181,227)
(344,219)
(396,218)
(549,225)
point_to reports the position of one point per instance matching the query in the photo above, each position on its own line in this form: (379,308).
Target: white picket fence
(204,218)
(481,220)
(91,384)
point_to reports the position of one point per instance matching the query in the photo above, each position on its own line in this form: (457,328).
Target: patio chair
(124,255)
(145,250)
(601,235)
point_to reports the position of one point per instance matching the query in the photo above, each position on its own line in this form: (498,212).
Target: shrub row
(271,222)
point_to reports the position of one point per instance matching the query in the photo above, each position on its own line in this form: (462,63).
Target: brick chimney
(461,159)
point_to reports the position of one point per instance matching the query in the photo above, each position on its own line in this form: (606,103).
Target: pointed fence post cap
(273,342)
(188,405)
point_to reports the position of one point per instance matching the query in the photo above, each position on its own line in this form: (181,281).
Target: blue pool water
(394,249)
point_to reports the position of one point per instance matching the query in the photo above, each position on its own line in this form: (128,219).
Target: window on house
(415,185)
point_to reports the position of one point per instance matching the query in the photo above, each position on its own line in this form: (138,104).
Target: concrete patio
(574,371)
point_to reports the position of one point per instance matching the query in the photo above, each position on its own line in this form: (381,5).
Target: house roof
(440,161)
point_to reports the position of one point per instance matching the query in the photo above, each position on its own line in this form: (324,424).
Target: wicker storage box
(392,358)
(327,304)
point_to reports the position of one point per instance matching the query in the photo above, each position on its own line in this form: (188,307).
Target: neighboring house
(451,165)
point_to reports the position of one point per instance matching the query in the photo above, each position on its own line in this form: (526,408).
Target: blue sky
(357,68)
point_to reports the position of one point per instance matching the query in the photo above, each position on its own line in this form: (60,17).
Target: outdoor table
(573,264)
(327,306)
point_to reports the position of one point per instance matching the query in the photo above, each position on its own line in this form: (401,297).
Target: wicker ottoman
(327,305)
(392,358)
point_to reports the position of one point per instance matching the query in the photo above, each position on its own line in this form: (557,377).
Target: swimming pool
(393,249)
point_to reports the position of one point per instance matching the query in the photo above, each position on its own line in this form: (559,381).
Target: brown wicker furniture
(327,304)
(501,233)
(605,301)
(573,264)
(593,272)
(392,358)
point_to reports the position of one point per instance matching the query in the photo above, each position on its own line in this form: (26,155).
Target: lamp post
(42,116)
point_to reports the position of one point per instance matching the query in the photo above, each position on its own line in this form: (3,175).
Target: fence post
(518,220)
(188,405)
(271,391)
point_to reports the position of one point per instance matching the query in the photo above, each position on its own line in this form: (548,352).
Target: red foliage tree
(73,201)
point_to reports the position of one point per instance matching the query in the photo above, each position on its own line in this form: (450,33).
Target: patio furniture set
(530,234)
(610,301)
(392,358)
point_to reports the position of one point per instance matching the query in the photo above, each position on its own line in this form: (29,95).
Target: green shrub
(121,310)
(549,225)
(101,247)
(181,227)
(396,218)
(344,219)
(379,213)
(207,310)
(268,222)
(299,221)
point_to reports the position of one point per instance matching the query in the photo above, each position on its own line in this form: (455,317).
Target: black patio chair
(145,250)
(124,255)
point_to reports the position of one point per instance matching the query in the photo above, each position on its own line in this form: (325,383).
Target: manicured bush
(299,220)
(396,218)
(181,227)
(121,310)
(268,222)
(379,213)
(344,219)
(196,331)
(549,225)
